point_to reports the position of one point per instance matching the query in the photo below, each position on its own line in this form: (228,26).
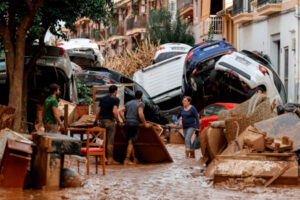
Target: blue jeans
(188,132)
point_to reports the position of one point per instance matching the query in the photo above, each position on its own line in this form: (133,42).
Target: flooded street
(177,180)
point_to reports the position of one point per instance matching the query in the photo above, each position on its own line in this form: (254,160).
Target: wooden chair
(94,148)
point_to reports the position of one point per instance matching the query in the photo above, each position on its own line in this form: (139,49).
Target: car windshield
(165,56)
(91,80)
(212,110)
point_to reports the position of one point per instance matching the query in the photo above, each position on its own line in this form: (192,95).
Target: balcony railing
(182,4)
(214,21)
(239,7)
(263,2)
(139,21)
(115,30)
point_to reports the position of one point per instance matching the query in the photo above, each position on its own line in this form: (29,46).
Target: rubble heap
(253,148)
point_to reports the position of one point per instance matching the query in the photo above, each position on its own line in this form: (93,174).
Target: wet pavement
(178,180)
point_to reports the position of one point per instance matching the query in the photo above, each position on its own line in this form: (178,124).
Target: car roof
(212,48)
(229,106)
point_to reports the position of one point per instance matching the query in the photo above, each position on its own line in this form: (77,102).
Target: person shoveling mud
(134,114)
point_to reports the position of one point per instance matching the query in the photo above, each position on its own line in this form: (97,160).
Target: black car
(83,59)
(109,76)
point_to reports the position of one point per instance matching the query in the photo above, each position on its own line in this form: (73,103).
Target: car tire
(196,83)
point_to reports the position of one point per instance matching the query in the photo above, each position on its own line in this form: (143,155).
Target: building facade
(203,15)
(272,27)
(128,29)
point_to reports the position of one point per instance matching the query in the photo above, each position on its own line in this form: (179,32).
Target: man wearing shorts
(134,111)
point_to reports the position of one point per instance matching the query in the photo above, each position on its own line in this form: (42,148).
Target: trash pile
(251,145)
(132,60)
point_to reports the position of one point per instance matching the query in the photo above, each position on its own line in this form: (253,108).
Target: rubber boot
(187,153)
(127,160)
(110,158)
(192,153)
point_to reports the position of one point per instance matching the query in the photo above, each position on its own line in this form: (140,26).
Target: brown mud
(178,180)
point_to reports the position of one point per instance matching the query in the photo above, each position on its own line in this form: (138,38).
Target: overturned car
(223,75)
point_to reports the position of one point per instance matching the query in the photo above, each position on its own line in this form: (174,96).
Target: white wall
(259,35)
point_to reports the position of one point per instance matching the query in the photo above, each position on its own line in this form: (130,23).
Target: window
(196,9)
(286,69)
(165,56)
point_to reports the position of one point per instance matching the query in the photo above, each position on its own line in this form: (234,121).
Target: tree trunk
(16,84)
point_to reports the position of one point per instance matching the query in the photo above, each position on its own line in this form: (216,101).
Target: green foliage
(162,29)
(210,34)
(84,93)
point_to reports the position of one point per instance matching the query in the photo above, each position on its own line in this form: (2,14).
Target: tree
(161,28)
(24,21)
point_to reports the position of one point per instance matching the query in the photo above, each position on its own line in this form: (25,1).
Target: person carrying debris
(108,114)
(190,121)
(134,115)
(52,120)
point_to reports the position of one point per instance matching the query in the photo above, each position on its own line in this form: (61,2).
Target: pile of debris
(252,145)
(132,60)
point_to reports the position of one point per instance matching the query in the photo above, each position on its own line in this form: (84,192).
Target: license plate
(242,60)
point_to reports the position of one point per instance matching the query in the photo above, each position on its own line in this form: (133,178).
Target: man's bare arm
(56,115)
(121,113)
(115,112)
(97,114)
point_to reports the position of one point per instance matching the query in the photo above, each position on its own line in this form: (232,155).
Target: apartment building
(128,29)
(272,27)
(203,14)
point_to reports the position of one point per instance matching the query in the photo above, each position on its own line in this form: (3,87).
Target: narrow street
(177,180)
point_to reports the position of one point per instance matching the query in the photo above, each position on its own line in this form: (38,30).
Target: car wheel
(196,83)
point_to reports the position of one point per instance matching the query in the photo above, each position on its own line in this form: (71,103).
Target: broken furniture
(148,147)
(48,158)
(14,164)
(95,146)
(274,168)
(282,125)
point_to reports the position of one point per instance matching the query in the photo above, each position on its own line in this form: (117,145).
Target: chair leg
(88,165)
(96,157)
(103,164)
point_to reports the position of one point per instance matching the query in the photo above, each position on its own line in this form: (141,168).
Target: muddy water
(177,180)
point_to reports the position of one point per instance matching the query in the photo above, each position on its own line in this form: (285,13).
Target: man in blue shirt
(134,116)
(108,114)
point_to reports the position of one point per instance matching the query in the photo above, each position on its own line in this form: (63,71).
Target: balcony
(185,7)
(242,13)
(268,7)
(115,32)
(213,20)
(136,24)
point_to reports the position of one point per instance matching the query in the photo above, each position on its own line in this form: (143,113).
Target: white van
(163,82)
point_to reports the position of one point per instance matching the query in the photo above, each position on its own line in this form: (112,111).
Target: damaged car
(253,72)
(92,77)
(216,72)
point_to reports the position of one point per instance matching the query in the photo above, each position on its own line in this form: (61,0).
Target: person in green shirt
(52,120)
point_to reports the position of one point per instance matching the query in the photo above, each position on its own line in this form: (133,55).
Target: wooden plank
(66,118)
(277,175)
(148,147)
